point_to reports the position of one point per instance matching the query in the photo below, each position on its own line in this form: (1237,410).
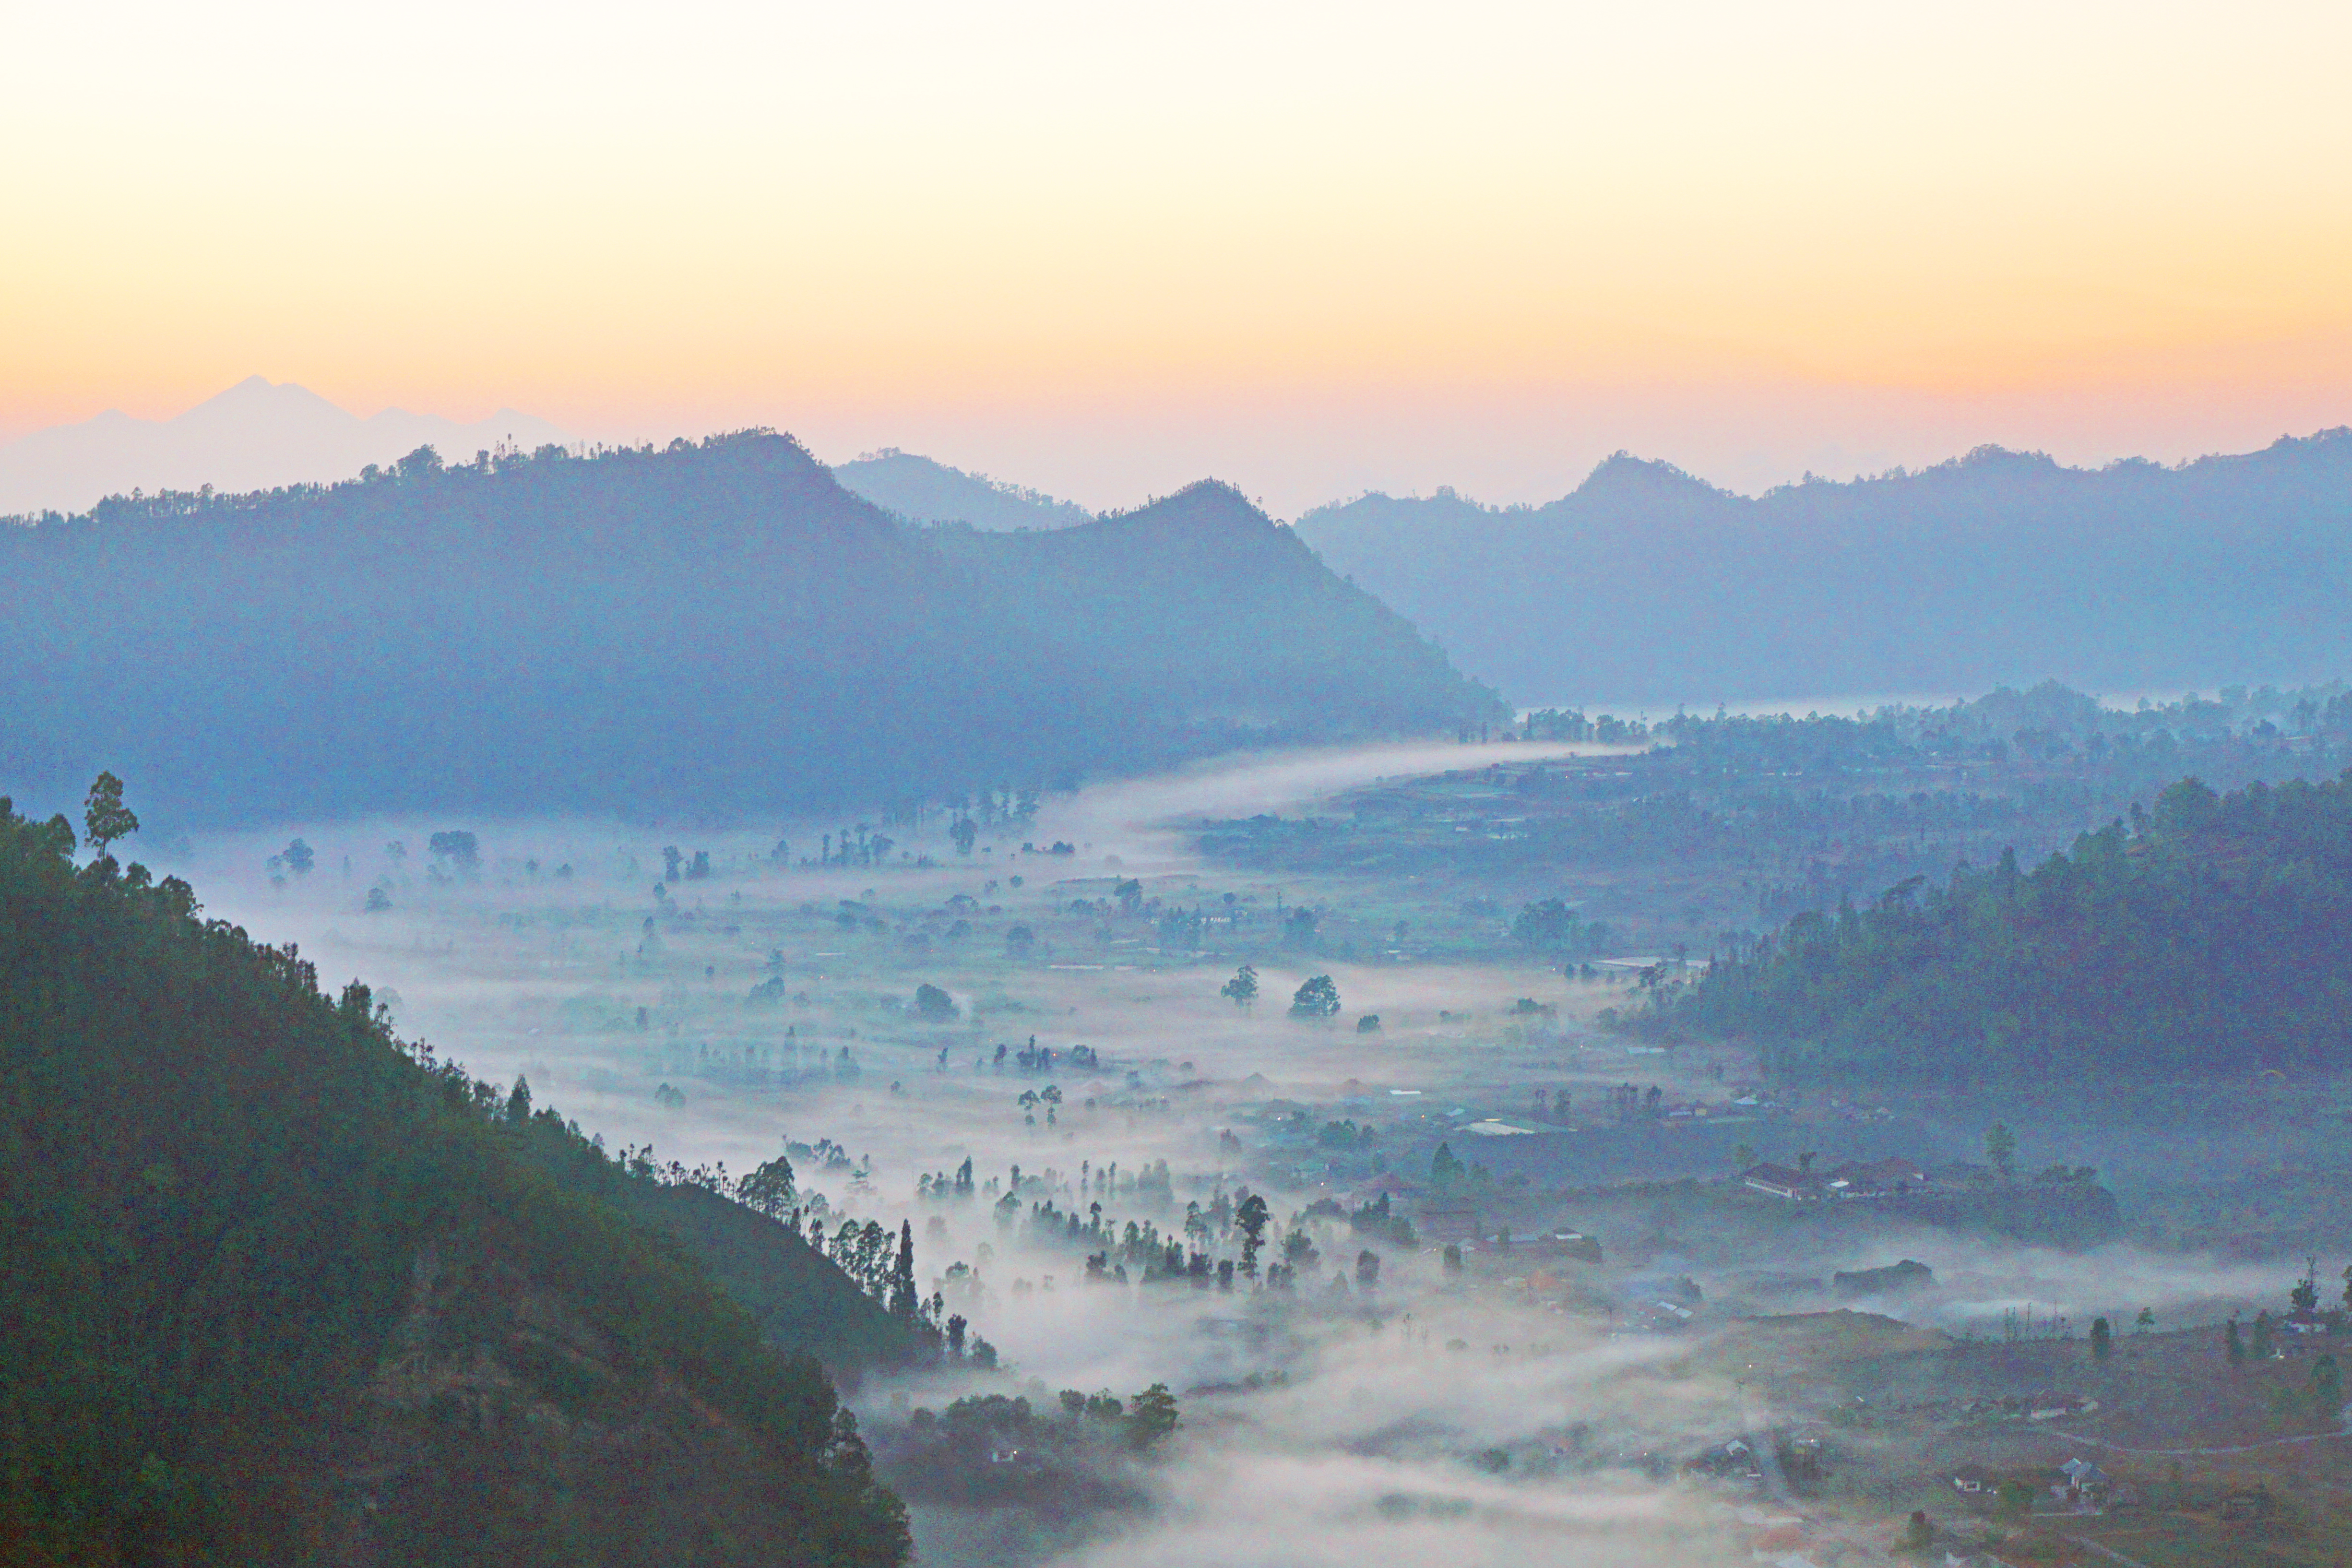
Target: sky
(1104,251)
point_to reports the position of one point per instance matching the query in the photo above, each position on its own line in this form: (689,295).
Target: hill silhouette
(1648,586)
(282,1288)
(721,626)
(920,489)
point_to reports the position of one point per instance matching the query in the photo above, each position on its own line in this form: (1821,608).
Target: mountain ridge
(717,626)
(1996,566)
(923,490)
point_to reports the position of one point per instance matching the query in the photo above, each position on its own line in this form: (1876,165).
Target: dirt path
(2184,1453)
(2108,1552)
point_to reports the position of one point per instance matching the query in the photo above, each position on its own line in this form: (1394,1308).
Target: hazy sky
(1105,249)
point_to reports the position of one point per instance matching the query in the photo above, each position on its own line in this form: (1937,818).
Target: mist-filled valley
(833,786)
(1296,1156)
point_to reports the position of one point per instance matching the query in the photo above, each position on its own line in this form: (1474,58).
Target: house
(1878,1178)
(1781,1181)
(1575,1244)
(2081,1482)
(1974,1480)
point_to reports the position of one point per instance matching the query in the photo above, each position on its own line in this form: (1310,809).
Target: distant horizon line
(1042,498)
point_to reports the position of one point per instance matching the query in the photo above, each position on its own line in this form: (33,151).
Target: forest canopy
(2210,935)
(275,1277)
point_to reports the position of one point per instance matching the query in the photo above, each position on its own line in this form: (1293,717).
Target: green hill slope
(278,1290)
(2214,938)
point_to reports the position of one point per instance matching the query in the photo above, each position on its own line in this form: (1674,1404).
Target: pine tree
(904,1302)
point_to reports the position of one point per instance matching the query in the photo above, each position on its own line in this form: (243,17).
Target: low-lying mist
(718,997)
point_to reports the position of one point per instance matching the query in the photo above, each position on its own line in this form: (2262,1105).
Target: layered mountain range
(1646,584)
(720,627)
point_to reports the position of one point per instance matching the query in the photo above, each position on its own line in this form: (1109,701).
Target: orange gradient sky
(1105,249)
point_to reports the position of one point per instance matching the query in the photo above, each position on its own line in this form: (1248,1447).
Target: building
(1781,1181)
(1878,1178)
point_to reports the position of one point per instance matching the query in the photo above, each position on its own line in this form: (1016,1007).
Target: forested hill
(1647,585)
(280,1291)
(922,489)
(2212,936)
(717,626)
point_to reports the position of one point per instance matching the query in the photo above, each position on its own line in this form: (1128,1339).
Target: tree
(1151,1416)
(771,1189)
(1368,1269)
(1250,1219)
(2327,1388)
(2305,1292)
(1242,991)
(299,858)
(963,832)
(1444,1169)
(1919,1534)
(1318,998)
(2264,1340)
(2001,1148)
(1744,1156)
(904,1300)
(1549,925)
(104,817)
(2101,1340)
(934,1005)
(2233,1344)
(459,848)
(2145,1322)
(518,1101)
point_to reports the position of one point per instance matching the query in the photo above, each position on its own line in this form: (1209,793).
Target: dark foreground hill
(721,626)
(277,1290)
(2211,939)
(2000,568)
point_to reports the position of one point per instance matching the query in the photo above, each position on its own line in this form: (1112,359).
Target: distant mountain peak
(926,491)
(1204,506)
(256,435)
(1993,455)
(1622,473)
